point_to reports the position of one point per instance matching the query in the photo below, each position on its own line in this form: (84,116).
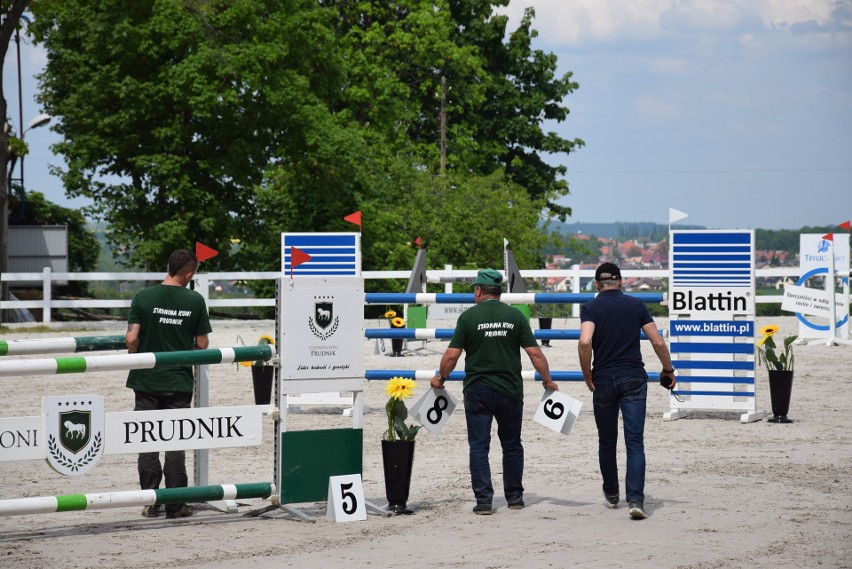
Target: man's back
(618,321)
(492,334)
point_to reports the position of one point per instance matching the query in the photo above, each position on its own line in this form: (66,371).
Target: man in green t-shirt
(163,318)
(492,334)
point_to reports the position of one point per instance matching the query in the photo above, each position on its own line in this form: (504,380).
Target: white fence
(579,278)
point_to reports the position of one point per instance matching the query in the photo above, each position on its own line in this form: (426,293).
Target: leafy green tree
(522,92)
(172,112)
(215,121)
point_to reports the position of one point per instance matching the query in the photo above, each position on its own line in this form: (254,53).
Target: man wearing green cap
(492,334)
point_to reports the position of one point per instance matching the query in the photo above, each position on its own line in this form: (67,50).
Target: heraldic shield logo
(323,323)
(75,432)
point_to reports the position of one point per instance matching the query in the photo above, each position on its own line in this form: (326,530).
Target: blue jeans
(481,404)
(629,395)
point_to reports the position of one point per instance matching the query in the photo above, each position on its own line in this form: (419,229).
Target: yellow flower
(767,332)
(265,340)
(397,322)
(246,364)
(400,388)
(390,314)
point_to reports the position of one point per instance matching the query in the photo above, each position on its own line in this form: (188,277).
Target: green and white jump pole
(106,500)
(61,345)
(123,362)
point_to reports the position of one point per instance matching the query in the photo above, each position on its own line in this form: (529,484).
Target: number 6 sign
(557,411)
(433,409)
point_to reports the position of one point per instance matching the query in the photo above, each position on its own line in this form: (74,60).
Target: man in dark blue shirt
(610,328)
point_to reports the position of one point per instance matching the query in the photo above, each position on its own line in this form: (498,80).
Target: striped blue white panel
(711,259)
(332,254)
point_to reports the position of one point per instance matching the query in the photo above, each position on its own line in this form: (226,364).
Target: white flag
(676,215)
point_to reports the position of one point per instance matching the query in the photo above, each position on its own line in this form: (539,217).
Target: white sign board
(712,274)
(433,409)
(321,319)
(557,411)
(447,311)
(23,438)
(183,429)
(812,301)
(813,252)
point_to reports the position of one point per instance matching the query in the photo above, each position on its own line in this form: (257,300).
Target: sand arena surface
(720,494)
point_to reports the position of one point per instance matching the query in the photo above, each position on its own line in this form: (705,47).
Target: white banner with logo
(321,328)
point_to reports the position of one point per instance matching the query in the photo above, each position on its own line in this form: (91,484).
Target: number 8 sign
(557,411)
(433,409)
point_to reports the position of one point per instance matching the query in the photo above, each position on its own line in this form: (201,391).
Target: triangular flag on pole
(846,225)
(297,257)
(418,241)
(203,252)
(354,218)
(676,215)
(828,236)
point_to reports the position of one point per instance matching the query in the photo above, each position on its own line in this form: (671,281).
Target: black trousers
(151,472)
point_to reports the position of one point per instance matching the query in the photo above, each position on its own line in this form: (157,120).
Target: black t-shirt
(618,320)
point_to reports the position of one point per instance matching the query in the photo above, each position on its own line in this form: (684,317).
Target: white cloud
(654,109)
(578,22)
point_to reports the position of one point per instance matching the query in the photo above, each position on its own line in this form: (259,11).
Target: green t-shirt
(170,317)
(492,334)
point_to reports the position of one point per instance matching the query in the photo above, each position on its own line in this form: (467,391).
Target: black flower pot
(544,324)
(396,347)
(780,388)
(261,377)
(398,459)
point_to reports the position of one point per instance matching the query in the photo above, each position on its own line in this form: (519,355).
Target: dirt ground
(720,493)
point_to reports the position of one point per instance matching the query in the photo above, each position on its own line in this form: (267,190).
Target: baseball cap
(607,272)
(488,277)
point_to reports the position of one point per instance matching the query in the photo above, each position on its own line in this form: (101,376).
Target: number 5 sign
(433,409)
(346,499)
(557,411)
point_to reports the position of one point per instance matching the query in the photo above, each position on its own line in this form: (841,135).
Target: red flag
(846,225)
(354,218)
(828,236)
(297,257)
(418,241)
(203,252)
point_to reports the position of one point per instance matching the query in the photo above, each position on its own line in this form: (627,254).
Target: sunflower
(398,322)
(400,388)
(767,332)
(390,314)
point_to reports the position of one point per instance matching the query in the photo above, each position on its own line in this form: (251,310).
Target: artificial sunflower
(397,389)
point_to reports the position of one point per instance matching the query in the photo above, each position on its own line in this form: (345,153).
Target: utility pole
(12,13)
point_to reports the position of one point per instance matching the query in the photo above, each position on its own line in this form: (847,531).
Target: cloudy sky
(736,112)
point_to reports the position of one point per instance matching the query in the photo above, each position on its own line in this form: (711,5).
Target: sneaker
(151,511)
(637,510)
(519,505)
(612,501)
(482,509)
(183,512)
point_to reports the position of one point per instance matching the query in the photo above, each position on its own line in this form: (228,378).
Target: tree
(522,92)
(213,120)
(172,112)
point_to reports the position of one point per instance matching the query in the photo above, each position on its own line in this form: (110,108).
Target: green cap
(488,277)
